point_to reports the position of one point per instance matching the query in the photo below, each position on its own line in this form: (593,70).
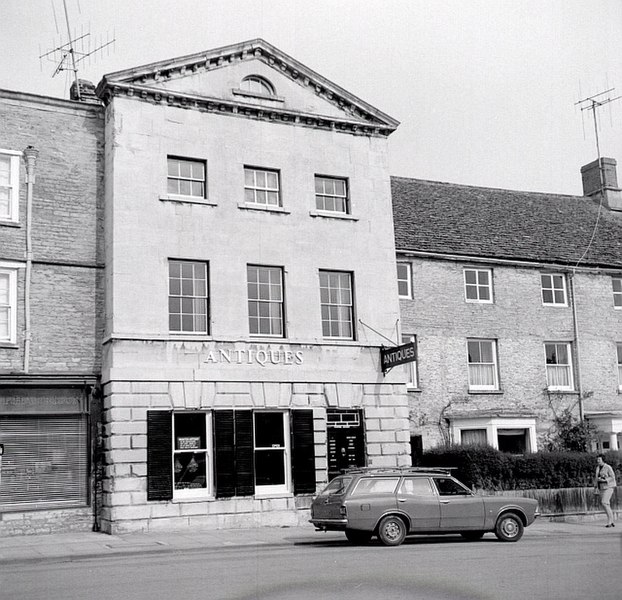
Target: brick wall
(67,232)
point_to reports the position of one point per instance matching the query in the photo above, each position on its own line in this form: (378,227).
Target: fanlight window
(253,84)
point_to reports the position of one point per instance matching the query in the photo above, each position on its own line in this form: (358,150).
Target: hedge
(484,467)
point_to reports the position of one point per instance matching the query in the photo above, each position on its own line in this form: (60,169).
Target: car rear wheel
(356,536)
(472,536)
(509,528)
(392,531)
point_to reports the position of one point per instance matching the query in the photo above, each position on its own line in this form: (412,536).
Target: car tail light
(343,511)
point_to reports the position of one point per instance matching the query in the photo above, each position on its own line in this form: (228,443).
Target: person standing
(604,484)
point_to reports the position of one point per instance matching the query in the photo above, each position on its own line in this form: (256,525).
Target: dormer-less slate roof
(450,219)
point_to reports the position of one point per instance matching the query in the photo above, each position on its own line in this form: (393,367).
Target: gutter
(30,154)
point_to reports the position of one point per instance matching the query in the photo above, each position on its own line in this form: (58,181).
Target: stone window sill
(260,207)
(332,215)
(188,200)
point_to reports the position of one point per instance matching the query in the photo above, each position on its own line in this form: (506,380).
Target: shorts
(605,496)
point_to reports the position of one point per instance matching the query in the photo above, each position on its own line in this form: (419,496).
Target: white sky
(485,89)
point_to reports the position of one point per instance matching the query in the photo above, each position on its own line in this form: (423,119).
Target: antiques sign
(398,355)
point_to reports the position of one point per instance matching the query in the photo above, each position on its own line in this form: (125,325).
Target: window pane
(269,429)
(470,276)
(269,467)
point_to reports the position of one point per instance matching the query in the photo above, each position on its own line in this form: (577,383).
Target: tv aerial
(68,55)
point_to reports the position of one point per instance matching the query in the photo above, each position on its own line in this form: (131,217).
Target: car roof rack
(399,470)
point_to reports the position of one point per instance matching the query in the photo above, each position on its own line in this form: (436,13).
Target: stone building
(250,283)
(51,298)
(515,302)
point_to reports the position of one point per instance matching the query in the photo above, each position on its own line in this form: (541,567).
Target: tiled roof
(447,218)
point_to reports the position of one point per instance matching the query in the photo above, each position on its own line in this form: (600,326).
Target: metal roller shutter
(45,459)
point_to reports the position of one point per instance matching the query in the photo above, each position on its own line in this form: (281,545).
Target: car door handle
(444,501)
(401,499)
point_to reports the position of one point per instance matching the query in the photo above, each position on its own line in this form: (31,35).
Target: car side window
(380,485)
(336,486)
(416,486)
(450,487)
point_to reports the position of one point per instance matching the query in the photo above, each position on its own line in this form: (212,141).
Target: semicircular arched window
(254,84)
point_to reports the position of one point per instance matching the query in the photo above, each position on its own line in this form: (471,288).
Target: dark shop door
(345,441)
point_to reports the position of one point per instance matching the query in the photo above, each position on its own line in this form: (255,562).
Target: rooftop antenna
(592,103)
(67,56)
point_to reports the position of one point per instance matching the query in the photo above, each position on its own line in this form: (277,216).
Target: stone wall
(125,506)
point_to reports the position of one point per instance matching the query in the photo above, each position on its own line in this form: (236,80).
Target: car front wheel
(392,531)
(356,536)
(509,528)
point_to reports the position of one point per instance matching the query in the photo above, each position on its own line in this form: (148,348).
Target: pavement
(67,547)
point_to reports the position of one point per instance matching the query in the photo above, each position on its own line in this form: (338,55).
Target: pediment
(219,80)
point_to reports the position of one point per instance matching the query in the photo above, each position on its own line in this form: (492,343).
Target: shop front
(44,469)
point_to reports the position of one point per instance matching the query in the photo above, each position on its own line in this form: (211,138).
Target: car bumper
(329,524)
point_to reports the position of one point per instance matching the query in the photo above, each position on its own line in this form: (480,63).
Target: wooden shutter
(224,457)
(159,455)
(303,452)
(45,459)
(244,454)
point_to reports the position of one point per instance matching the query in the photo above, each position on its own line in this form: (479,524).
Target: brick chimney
(604,176)
(87,92)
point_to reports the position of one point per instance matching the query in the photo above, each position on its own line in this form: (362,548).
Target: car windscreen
(337,486)
(375,485)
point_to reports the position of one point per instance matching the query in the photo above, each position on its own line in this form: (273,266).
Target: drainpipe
(575,325)
(30,154)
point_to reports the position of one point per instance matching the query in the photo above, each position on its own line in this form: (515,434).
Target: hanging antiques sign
(398,355)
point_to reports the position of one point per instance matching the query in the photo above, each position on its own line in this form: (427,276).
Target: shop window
(191,459)
(260,452)
(45,460)
(271,452)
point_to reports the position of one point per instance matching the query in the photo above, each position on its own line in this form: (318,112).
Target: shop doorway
(346,440)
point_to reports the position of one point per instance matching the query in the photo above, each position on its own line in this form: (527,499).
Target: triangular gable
(208,81)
